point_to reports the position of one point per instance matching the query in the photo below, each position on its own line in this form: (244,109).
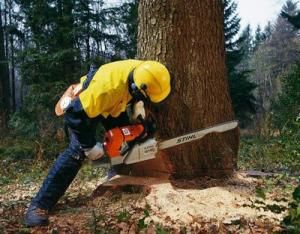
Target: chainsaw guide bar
(148,149)
(198,134)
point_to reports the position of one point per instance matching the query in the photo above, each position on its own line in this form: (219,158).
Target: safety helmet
(154,78)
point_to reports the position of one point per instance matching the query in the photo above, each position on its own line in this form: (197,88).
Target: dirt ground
(245,203)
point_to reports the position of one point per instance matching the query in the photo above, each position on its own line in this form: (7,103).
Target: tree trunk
(4,78)
(65,41)
(12,59)
(187,36)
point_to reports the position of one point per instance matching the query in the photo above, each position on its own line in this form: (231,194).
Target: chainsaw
(133,143)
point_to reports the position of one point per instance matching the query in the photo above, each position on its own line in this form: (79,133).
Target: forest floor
(248,202)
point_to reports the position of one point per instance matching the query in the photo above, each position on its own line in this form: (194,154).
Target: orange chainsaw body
(116,140)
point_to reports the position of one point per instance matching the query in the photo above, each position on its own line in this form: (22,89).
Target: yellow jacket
(107,93)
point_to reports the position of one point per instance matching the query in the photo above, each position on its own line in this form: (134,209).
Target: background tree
(234,53)
(4,77)
(237,47)
(45,63)
(272,60)
(293,19)
(286,108)
(268,30)
(61,40)
(129,26)
(259,37)
(180,34)
(247,47)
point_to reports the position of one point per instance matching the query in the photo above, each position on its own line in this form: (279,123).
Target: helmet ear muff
(135,92)
(133,87)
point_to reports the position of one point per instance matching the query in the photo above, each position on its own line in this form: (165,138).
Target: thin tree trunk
(12,67)
(188,37)
(65,24)
(12,75)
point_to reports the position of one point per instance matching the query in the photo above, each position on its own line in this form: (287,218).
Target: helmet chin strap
(136,93)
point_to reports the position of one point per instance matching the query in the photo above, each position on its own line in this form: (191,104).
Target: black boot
(36,217)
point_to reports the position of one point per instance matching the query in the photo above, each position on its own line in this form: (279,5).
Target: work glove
(136,112)
(94,153)
(64,102)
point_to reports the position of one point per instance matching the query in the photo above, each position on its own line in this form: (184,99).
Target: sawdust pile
(219,200)
(194,204)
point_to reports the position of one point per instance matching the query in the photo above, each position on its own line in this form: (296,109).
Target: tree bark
(187,36)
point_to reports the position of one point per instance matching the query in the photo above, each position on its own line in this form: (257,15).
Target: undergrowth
(277,154)
(292,220)
(25,160)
